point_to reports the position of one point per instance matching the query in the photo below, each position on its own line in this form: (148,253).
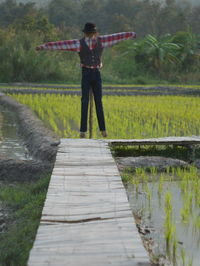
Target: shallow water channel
(148,202)
(11,144)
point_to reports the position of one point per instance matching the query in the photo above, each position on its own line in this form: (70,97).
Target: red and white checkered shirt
(75,46)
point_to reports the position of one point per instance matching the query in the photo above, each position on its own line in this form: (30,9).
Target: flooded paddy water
(167,213)
(11,144)
(11,147)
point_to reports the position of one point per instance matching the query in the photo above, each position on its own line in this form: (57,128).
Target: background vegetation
(166,48)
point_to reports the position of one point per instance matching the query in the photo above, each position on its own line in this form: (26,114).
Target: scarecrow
(90,49)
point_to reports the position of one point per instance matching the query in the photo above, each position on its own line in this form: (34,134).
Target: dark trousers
(91,79)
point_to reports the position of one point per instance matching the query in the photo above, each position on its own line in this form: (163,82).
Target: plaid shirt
(75,46)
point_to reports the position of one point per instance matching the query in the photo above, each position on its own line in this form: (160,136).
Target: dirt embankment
(42,144)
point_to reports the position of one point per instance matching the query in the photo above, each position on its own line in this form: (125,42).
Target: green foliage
(167,47)
(11,12)
(64,12)
(189,44)
(21,62)
(25,203)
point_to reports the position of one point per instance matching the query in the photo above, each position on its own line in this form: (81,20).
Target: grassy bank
(23,204)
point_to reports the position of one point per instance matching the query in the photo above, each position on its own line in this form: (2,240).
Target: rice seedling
(160,185)
(174,250)
(187,207)
(149,197)
(169,228)
(126,177)
(183,257)
(153,171)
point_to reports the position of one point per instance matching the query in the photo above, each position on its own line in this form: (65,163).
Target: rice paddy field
(165,205)
(167,211)
(126,116)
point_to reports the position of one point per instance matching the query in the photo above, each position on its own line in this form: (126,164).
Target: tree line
(167,47)
(144,17)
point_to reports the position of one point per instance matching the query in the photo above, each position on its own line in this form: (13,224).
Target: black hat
(90,27)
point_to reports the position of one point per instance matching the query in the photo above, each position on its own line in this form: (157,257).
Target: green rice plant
(184,183)
(153,170)
(196,189)
(174,249)
(126,176)
(197,222)
(168,170)
(179,172)
(149,196)
(187,207)
(183,257)
(168,204)
(170,228)
(136,184)
(173,171)
(160,185)
(141,175)
(190,263)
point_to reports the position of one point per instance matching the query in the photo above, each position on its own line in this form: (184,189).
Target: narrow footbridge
(86,219)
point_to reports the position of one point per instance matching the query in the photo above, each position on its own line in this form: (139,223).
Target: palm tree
(161,52)
(189,43)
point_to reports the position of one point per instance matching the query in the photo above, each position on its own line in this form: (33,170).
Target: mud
(23,170)
(147,162)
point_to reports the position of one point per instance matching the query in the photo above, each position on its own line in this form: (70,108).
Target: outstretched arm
(112,39)
(69,45)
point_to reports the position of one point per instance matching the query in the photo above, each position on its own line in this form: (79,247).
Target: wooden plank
(157,141)
(86,219)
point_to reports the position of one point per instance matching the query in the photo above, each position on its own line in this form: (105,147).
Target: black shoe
(104,134)
(82,135)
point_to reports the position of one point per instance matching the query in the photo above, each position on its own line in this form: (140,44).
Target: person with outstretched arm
(90,49)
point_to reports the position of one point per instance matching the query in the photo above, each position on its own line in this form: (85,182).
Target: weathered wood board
(86,218)
(157,141)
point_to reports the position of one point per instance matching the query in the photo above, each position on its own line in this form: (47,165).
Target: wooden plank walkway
(86,218)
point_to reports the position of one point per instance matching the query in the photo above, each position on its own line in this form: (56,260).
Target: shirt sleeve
(112,39)
(69,45)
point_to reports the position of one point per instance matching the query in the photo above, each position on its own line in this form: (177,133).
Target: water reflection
(152,211)
(11,145)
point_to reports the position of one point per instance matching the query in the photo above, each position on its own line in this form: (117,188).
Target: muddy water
(11,145)
(151,210)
